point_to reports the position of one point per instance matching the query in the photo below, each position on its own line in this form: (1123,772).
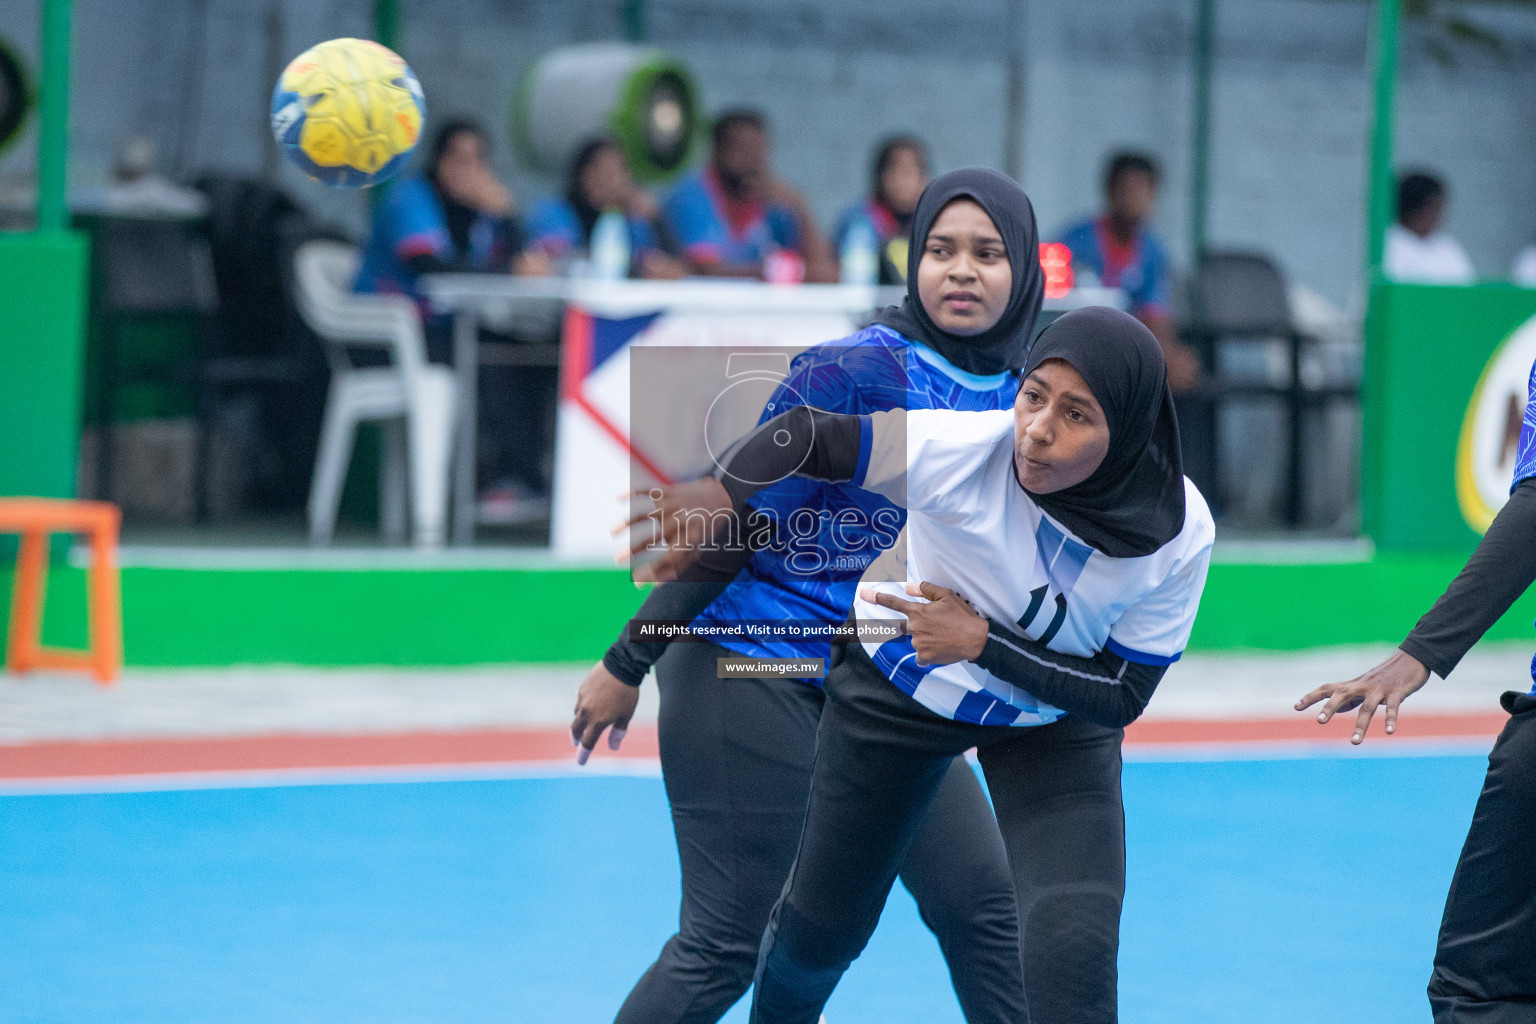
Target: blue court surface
(1261,892)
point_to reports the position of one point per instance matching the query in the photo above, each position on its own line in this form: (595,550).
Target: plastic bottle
(610,247)
(859,260)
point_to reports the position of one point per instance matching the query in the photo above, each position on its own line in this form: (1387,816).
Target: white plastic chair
(413,397)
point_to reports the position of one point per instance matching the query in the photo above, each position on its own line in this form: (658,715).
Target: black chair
(260,345)
(144,270)
(1243,296)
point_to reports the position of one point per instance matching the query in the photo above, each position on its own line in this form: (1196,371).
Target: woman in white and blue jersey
(1485,959)
(737,753)
(1058,555)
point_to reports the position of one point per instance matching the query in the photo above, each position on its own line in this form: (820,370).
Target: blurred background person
(598,182)
(899,175)
(139,189)
(734,218)
(1120,249)
(457,217)
(1418,249)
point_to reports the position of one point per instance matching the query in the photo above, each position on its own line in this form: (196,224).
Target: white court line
(1303,750)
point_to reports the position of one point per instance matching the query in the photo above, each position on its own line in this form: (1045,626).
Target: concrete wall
(1290,125)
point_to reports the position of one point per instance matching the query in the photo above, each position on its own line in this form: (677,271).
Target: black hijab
(1133,503)
(586,213)
(1003,345)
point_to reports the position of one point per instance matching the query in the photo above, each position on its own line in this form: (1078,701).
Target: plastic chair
(35,519)
(413,398)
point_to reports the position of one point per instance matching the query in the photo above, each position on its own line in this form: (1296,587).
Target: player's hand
(1389,684)
(602,701)
(684,518)
(945,628)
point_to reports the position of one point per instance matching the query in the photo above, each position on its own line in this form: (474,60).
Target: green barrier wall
(43,280)
(1427,347)
(185,617)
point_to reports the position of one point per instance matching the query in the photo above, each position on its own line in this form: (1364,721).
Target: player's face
(1060,434)
(903,181)
(963,278)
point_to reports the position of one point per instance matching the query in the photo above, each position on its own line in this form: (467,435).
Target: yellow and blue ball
(348,112)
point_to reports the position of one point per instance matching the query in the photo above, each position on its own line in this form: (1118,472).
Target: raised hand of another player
(1388,684)
(944,628)
(603,701)
(685,517)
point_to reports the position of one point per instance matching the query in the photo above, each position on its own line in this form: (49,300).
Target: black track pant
(881,758)
(736,755)
(1485,963)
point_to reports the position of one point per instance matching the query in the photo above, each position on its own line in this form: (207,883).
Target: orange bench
(35,519)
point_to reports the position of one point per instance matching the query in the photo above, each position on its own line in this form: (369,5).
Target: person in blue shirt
(899,176)
(455,216)
(735,218)
(1120,249)
(1485,959)
(599,180)
(737,755)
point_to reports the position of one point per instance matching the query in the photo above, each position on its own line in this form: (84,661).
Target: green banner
(1445,388)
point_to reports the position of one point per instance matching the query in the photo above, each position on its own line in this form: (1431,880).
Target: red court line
(299,750)
(93,758)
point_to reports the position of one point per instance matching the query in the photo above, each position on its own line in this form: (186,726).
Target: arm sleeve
(1499,571)
(682,601)
(1106,688)
(801,442)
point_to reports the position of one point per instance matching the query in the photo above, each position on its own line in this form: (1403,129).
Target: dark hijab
(460,218)
(586,213)
(1133,503)
(883,159)
(1003,345)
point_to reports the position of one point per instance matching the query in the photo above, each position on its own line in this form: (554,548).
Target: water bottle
(610,247)
(860,257)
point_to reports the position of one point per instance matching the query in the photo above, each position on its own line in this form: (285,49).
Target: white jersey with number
(973,529)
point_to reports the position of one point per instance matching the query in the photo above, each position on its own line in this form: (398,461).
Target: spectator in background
(900,174)
(1120,250)
(733,218)
(454,217)
(457,217)
(599,181)
(1417,250)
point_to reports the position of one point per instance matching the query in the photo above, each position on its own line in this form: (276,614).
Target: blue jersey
(711,228)
(409,222)
(553,226)
(1525,460)
(871,371)
(1140,269)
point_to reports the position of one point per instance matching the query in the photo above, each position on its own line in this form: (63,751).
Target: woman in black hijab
(737,754)
(1058,555)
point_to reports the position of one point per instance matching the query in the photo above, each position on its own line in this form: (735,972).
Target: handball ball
(348,112)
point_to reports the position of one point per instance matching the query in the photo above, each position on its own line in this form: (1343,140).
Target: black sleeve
(1498,572)
(801,442)
(1105,688)
(682,600)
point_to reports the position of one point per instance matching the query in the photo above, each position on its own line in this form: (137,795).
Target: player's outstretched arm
(691,517)
(1499,571)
